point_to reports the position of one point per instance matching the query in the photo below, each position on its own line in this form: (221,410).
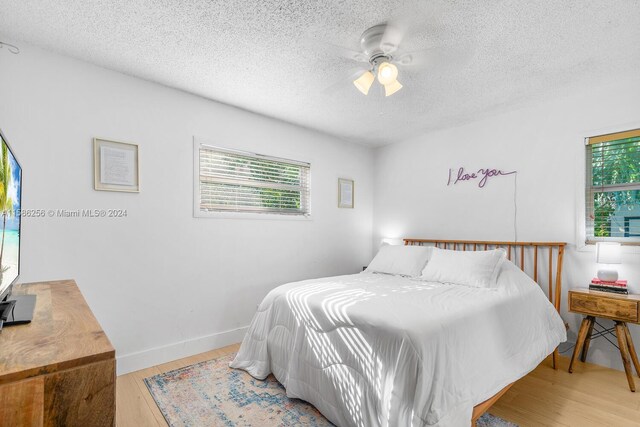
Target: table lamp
(608,253)
(391,241)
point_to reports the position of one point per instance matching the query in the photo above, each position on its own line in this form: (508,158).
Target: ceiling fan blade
(336,50)
(410,19)
(448,56)
(393,35)
(344,82)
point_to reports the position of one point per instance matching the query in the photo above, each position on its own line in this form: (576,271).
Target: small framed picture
(345,193)
(115,166)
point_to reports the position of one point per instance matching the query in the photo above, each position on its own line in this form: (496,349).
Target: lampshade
(608,253)
(364,82)
(392,241)
(391,88)
(387,73)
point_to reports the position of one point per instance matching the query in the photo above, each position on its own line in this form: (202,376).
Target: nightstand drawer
(602,306)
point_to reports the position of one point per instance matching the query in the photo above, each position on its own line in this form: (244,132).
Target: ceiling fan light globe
(387,73)
(364,82)
(391,88)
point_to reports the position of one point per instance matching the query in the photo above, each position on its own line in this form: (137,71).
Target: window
(613,187)
(237,181)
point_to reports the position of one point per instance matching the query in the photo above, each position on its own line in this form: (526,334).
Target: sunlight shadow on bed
(326,353)
(348,360)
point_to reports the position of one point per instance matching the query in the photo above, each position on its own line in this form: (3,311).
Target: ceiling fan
(379,44)
(381,49)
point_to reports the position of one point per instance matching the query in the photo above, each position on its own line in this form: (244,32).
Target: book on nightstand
(617,287)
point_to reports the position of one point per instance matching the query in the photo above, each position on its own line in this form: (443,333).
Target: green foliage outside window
(614,164)
(237,182)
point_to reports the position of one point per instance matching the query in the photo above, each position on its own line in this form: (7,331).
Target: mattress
(381,350)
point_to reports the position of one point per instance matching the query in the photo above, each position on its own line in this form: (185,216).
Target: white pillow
(402,260)
(471,268)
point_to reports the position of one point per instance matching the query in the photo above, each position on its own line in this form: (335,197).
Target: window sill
(593,242)
(251,216)
(627,247)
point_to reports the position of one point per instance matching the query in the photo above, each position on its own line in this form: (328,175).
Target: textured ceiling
(264,56)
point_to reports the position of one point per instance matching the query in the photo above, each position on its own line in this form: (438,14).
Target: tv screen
(10,195)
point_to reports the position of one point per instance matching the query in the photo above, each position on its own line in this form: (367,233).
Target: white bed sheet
(379,350)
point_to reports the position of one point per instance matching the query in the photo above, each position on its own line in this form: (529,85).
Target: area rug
(212,394)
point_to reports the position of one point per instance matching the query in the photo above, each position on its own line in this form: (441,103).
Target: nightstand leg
(624,353)
(579,342)
(632,349)
(587,340)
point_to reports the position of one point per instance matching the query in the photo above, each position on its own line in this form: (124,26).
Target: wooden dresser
(60,369)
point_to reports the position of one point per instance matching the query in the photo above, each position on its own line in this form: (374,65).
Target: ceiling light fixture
(387,73)
(364,82)
(387,76)
(391,88)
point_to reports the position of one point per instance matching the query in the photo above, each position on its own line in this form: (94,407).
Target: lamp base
(608,275)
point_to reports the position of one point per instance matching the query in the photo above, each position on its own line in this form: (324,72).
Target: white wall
(162,283)
(543,141)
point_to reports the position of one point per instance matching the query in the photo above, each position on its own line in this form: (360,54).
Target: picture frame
(115,166)
(345,193)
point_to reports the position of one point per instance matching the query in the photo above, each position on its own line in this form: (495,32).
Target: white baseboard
(155,356)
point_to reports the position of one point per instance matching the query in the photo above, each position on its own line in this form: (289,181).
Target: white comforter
(378,350)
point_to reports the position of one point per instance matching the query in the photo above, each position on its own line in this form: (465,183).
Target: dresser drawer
(600,306)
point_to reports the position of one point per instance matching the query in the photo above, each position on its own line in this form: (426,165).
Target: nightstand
(619,308)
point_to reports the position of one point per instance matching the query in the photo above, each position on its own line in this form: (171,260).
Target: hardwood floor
(591,396)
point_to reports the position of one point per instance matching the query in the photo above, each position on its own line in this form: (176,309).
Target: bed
(383,350)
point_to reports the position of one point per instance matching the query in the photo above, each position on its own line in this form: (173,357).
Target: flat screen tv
(10,201)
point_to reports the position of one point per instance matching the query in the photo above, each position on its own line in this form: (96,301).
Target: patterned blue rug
(212,394)
(488,420)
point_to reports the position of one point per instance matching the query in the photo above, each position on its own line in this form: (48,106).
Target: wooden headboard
(517,252)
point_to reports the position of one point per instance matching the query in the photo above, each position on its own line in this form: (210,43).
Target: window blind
(613,187)
(235,181)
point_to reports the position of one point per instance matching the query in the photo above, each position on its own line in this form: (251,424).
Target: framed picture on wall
(115,166)
(345,193)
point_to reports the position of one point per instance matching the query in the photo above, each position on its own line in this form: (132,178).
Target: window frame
(588,190)
(222,214)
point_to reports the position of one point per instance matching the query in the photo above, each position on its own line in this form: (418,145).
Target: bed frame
(517,252)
